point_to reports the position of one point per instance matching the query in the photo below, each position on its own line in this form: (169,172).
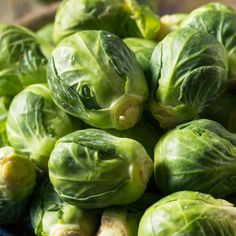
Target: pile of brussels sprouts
(117,122)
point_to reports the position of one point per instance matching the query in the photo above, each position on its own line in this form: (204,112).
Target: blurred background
(10,10)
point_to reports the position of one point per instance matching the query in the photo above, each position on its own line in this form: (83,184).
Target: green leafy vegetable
(50,216)
(189,213)
(93,75)
(135,20)
(22,61)
(220,21)
(189,70)
(93,169)
(17,182)
(34,123)
(198,156)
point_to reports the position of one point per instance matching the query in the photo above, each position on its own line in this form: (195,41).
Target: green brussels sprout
(197,156)
(50,216)
(189,213)
(17,182)
(46,33)
(34,123)
(125,18)
(142,49)
(93,75)
(189,70)
(170,23)
(220,21)
(223,110)
(4,107)
(21,59)
(93,169)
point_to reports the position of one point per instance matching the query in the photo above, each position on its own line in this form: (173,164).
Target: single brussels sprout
(189,70)
(198,156)
(50,216)
(189,213)
(46,33)
(93,169)
(22,61)
(142,49)
(17,181)
(111,94)
(125,18)
(4,107)
(34,123)
(170,23)
(223,110)
(220,21)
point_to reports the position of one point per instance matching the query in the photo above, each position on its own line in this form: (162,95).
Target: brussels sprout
(189,213)
(223,110)
(125,18)
(143,49)
(189,70)
(17,181)
(170,23)
(50,216)
(21,60)
(220,21)
(4,106)
(93,169)
(111,94)
(34,123)
(198,156)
